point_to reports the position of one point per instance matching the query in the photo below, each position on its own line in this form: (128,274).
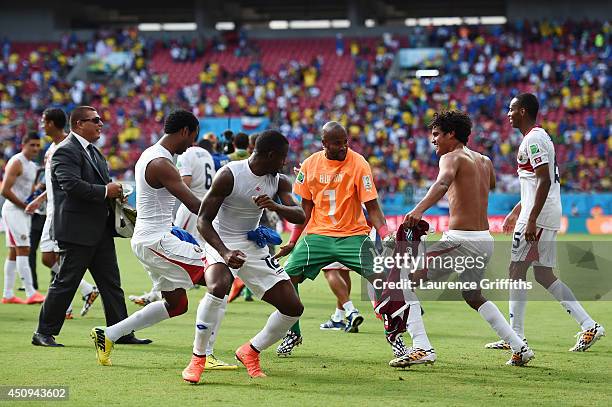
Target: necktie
(92,154)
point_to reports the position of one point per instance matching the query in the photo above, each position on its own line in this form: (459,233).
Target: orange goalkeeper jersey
(337,189)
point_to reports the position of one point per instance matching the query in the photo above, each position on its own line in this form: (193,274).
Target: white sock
(85,287)
(155,296)
(149,315)
(338,316)
(23,267)
(494,317)
(207,318)
(416,327)
(277,326)
(564,295)
(517,304)
(348,308)
(69,310)
(9,278)
(213,336)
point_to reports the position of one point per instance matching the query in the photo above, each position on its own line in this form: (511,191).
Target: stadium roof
(260,12)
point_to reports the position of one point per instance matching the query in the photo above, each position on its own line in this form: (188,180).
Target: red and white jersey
(535,150)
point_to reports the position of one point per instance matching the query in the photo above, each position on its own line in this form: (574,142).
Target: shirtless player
(466,177)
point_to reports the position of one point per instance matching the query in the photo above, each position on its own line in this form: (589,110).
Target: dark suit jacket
(81,212)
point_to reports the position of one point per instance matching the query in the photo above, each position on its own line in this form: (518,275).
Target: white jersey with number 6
(200,166)
(535,150)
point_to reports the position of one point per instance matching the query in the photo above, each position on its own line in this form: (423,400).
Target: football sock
(295,328)
(416,327)
(85,287)
(348,307)
(338,315)
(517,305)
(23,267)
(494,317)
(9,278)
(213,336)
(149,315)
(69,310)
(564,295)
(208,317)
(274,330)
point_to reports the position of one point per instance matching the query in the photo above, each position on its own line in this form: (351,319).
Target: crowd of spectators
(385,109)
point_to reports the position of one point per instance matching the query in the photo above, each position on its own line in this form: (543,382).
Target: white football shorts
(260,271)
(171,262)
(46,243)
(17,224)
(543,254)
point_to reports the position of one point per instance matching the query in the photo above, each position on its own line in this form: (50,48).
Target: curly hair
(179,119)
(453,120)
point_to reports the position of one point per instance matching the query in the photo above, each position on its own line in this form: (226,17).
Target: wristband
(295,233)
(383,231)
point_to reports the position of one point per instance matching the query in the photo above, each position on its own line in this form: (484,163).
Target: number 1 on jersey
(331,194)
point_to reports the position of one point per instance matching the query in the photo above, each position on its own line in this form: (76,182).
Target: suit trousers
(38,222)
(101,260)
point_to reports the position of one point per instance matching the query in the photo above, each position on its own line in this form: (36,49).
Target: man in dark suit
(83,227)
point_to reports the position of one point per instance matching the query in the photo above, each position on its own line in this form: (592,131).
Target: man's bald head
(334,129)
(335,141)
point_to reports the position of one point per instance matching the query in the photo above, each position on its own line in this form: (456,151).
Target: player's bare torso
(468,195)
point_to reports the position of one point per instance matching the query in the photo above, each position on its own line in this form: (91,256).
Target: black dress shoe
(132,340)
(45,340)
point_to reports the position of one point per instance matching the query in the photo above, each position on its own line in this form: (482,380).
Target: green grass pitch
(330,368)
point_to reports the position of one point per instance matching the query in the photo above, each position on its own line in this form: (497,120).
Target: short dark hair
(206,145)
(179,119)
(228,135)
(56,116)
(79,114)
(270,141)
(241,140)
(29,137)
(529,102)
(453,120)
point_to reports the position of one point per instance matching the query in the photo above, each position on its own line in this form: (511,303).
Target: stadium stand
(301,83)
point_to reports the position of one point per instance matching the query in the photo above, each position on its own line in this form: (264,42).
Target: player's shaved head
(335,141)
(333,129)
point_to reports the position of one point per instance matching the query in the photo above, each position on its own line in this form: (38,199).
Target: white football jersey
(154,206)
(22,188)
(199,164)
(238,213)
(48,185)
(535,150)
